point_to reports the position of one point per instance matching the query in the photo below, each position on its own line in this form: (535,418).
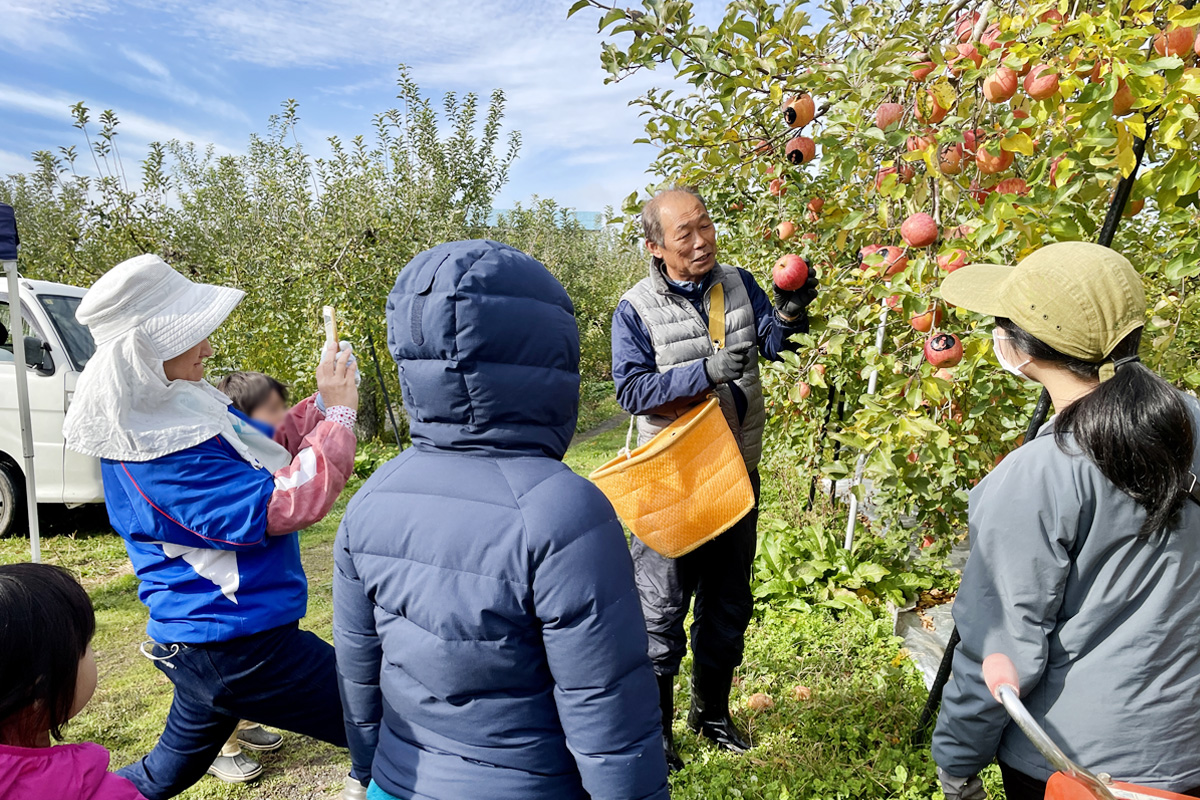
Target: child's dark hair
(249,390)
(46,624)
(1134,426)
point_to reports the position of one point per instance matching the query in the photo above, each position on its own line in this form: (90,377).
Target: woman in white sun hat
(208,507)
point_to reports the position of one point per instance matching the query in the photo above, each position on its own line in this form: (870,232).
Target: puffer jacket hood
(467,389)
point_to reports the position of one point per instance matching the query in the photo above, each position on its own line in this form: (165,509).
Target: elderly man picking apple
(663,364)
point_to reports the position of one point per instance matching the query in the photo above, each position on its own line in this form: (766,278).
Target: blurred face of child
(272,411)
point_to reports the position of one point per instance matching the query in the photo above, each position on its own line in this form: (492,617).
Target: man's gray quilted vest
(680,337)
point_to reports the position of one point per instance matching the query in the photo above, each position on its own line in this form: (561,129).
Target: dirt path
(604,427)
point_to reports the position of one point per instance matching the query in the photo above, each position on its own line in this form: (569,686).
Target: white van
(56,350)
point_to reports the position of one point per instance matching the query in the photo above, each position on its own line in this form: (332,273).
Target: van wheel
(12,499)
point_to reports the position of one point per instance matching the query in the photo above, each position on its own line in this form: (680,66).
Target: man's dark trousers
(718,575)
(284,677)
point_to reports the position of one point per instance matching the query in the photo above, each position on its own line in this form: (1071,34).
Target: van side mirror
(37,355)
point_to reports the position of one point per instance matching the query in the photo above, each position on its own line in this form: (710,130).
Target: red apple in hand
(790,272)
(943,350)
(919,230)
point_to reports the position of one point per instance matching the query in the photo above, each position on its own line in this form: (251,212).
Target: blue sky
(214,70)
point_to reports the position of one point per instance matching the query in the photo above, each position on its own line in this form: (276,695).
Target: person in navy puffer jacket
(490,640)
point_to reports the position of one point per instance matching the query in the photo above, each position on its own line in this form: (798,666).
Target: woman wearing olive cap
(1085,543)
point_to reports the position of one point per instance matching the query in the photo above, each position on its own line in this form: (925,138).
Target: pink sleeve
(307,488)
(300,422)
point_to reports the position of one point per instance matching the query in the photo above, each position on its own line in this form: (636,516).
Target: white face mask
(1015,369)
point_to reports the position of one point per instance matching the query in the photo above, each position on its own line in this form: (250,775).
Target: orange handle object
(1065,787)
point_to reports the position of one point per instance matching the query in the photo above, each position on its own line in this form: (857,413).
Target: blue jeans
(284,677)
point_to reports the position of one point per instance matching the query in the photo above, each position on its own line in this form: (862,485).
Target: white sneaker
(352,789)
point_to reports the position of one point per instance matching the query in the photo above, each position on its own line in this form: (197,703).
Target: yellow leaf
(1125,158)
(1191,81)
(944,93)
(841,239)
(776,93)
(1017,143)
(1137,125)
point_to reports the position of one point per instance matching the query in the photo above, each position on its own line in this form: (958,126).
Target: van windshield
(75,335)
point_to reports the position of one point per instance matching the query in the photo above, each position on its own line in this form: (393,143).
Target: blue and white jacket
(212,537)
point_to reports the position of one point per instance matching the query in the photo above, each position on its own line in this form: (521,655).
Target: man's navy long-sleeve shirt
(642,389)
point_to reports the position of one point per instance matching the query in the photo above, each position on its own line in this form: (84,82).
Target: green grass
(848,740)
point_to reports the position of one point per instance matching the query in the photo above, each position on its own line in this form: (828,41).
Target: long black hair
(46,624)
(1134,426)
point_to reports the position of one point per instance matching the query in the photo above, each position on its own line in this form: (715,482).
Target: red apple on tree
(1041,82)
(777,187)
(801,150)
(950,159)
(800,111)
(1175,42)
(917,142)
(815,205)
(1016,186)
(888,114)
(894,259)
(919,230)
(964,26)
(921,67)
(955,259)
(1000,86)
(990,164)
(786,230)
(943,350)
(928,109)
(1123,99)
(790,272)
(926,321)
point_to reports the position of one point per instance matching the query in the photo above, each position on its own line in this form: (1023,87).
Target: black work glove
(790,305)
(729,364)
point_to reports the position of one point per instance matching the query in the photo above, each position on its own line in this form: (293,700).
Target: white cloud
(14,163)
(34,25)
(146,62)
(134,127)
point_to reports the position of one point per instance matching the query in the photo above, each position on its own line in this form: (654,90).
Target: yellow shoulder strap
(716,316)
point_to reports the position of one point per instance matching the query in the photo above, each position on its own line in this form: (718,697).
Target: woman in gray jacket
(1085,544)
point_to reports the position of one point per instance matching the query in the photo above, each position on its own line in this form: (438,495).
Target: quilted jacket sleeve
(595,640)
(359,656)
(1023,522)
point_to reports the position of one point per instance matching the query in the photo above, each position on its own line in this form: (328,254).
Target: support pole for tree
(861,464)
(383,389)
(1107,231)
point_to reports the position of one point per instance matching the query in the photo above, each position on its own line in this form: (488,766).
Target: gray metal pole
(18,335)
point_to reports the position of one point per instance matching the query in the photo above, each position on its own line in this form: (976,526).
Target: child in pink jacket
(47,676)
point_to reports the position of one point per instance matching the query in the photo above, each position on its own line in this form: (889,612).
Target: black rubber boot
(709,715)
(666,701)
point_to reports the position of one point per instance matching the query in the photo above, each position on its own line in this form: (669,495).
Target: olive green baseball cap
(1080,298)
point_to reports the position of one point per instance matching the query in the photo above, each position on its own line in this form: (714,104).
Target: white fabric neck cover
(124,407)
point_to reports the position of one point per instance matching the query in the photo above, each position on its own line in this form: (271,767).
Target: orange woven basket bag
(689,483)
(682,488)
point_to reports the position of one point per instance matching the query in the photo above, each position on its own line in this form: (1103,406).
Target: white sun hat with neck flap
(142,313)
